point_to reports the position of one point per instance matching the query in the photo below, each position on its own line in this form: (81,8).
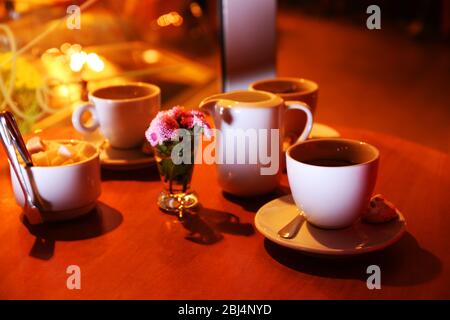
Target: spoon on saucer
(290,230)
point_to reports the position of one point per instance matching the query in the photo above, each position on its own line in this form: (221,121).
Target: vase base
(173,202)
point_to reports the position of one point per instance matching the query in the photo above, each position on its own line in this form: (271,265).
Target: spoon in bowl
(12,140)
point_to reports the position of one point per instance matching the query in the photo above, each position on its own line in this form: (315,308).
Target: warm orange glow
(151,56)
(196,10)
(74,56)
(52,50)
(77,60)
(76,47)
(65,47)
(171,18)
(63,91)
(94,62)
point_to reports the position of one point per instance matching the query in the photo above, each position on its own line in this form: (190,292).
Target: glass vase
(176,178)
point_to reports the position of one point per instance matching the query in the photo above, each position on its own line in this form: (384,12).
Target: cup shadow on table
(253,204)
(403,264)
(142,174)
(101,220)
(206,226)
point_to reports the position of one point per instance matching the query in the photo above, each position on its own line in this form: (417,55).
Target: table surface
(129,249)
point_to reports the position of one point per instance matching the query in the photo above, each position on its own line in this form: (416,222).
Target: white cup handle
(77,115)
(297,105)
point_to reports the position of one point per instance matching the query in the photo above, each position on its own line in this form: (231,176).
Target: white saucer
(357,239)
(320,130)
(124,159)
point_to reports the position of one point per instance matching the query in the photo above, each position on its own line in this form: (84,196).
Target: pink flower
(164,126)
(176,112)
(193,118)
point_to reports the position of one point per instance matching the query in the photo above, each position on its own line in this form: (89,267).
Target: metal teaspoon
(290,230)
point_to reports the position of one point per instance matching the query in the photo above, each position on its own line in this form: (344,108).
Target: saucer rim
(328,252)
(106,162)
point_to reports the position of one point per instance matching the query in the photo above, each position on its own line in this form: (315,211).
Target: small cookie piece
(40,159)
(380,210)
(68,161)
(64,151)
(85,151)
(35,145)
(57,161)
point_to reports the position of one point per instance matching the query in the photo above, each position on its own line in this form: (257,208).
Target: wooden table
(129,249)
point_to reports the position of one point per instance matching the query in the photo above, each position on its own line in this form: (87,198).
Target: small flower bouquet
(174,134)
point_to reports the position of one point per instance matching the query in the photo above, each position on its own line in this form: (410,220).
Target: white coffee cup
(245,111)
(332,180)
(123,112)
(68,191)
(291,89)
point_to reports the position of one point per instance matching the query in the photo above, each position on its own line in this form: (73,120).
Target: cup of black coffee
(332,180)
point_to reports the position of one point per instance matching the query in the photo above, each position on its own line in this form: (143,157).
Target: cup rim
(95,155)
(314,86)
(353,141)
(155,91)
(272,100)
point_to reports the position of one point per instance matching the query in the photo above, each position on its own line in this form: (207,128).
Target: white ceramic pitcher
(249,138)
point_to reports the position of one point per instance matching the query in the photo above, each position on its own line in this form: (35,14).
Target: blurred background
(394,80)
